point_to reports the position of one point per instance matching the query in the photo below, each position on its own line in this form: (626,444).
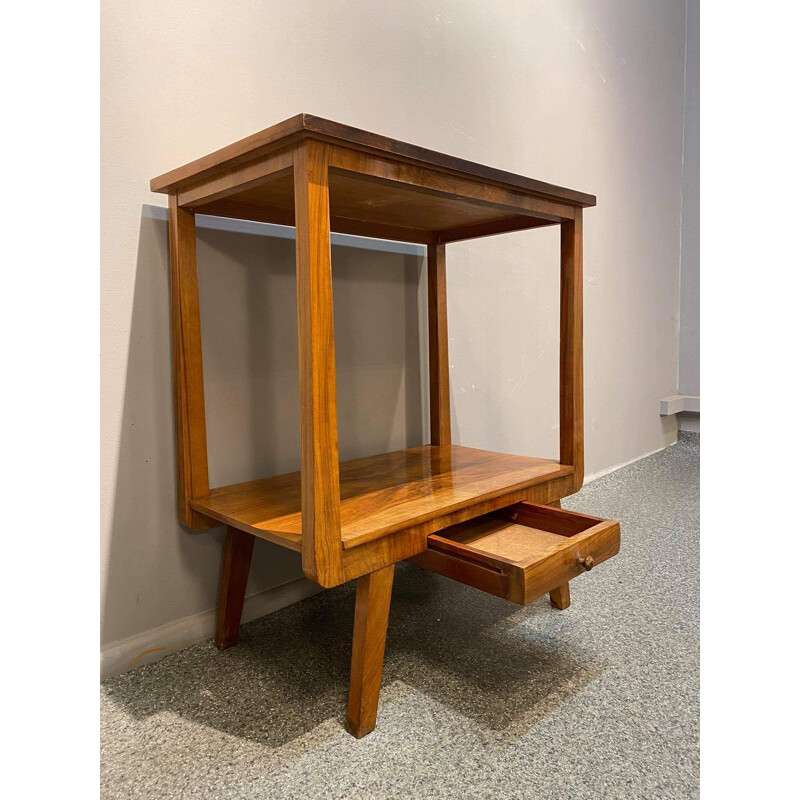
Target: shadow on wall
(159,572)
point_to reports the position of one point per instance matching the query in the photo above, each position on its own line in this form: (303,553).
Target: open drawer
(522,551)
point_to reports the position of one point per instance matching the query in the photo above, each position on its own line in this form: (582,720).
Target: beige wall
(584,94)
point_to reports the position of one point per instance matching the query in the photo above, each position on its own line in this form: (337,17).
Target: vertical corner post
(571,360)
(187,365)
(319,441)
(438,358)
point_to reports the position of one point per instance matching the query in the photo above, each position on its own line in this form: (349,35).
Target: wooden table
(487,519)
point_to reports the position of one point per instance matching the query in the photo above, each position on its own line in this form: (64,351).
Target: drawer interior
(522,551)
(518,534)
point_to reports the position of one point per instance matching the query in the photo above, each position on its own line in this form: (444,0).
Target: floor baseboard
(608,470)
(150,646)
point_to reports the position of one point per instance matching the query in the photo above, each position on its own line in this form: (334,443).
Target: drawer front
(521,552)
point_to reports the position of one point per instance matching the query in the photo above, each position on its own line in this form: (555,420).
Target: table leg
(559,597)
(233,582)
(373,596)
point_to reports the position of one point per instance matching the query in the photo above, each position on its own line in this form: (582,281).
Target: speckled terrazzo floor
(480,698)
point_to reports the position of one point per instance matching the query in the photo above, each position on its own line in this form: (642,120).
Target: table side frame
(311,160)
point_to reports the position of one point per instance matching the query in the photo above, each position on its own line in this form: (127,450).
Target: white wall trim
(679,402)
(603,472)
(688,421)
(153,645)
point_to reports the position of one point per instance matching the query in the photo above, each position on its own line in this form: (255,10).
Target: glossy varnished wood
(319,440)
(432,200)
(377,186)
(394,547)
(373,598)
(439,366)
(273,169)
(407,199)
(308,125)
(456,510)
(374,196)
(383,494)
(571,348)
(187,367)
(522,552)
(236,559)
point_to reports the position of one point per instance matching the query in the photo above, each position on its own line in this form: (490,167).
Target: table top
(382,494)
(309,126)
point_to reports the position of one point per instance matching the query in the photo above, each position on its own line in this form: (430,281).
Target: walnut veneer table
(486,519)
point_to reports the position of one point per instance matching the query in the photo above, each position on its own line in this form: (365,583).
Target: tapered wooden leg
(559,597)
(373,596)
(233,582)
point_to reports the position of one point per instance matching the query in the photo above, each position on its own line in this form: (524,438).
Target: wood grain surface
(373,597)
(381,494)
(308,125)
(236,558)
(521,556)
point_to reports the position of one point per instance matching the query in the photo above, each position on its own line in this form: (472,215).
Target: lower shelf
(521,552)
(430,486)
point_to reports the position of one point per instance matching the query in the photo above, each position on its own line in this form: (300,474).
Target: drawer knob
(587,562)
